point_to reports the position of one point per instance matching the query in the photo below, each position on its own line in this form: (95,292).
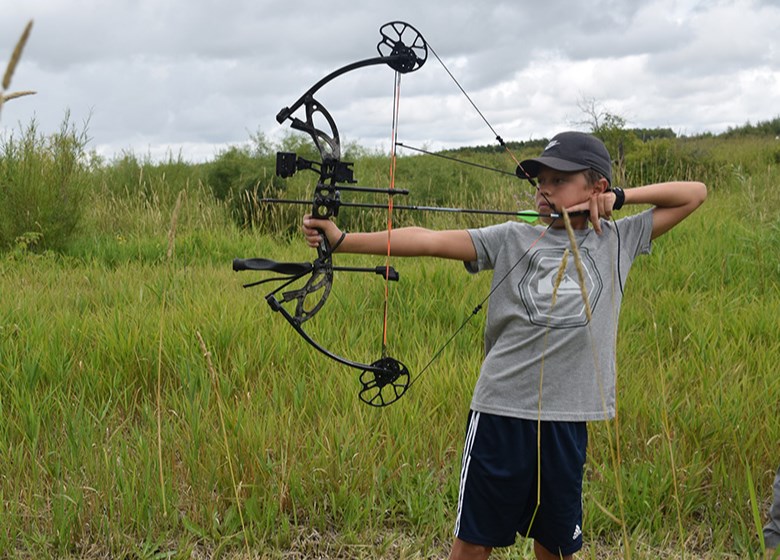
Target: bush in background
(42,186)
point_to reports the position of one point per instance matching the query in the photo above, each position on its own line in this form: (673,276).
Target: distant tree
(647,134)
(261,146)
(761,128)
(611,129)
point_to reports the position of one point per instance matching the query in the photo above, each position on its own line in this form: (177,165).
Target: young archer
(515,397)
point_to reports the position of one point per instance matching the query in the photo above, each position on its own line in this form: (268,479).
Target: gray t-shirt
(531,344)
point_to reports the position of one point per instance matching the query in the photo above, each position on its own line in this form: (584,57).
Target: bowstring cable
(503,144)
(499,139)
(478,308)
(393,138)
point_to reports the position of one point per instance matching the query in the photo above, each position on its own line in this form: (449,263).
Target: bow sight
(288,163)
(327,194)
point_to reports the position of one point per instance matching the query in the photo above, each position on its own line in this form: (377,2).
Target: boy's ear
(602,185)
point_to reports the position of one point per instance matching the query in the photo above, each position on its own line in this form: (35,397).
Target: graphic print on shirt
(536,289)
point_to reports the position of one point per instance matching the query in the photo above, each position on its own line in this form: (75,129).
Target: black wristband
(620,197)
(337,243)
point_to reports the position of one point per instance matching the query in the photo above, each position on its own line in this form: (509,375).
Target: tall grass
(269,447)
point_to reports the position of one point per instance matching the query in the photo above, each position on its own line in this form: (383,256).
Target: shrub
(42,186)
(239,177)
(669,160)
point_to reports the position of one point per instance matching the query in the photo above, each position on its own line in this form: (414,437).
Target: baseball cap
(570,152)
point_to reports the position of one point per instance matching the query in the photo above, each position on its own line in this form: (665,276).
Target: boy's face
(557,190)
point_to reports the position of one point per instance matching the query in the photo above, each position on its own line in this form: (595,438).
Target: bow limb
(402,48)
(296,324)
(286,112)
(383,381)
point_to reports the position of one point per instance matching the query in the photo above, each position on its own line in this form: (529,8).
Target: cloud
(155,76)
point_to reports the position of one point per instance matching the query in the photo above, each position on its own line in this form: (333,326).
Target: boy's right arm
(404,242)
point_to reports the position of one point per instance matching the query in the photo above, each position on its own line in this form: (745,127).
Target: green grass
(87,334)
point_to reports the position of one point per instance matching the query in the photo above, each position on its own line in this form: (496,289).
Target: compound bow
(386,379)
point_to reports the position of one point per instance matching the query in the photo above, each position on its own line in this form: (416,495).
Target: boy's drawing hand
(314,229)
(599,205)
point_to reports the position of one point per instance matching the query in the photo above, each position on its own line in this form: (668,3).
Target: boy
(531,343)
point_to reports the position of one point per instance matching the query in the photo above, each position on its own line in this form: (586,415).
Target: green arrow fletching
(528,216)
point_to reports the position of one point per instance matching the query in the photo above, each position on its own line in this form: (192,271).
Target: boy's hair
(592,176)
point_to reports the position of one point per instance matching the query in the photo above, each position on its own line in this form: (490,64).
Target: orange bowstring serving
(394,138)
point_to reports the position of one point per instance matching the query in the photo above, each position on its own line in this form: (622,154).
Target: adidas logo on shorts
(577,532)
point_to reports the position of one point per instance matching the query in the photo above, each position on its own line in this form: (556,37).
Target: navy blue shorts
(500,483)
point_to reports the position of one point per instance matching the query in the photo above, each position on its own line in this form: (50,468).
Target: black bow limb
(383,381)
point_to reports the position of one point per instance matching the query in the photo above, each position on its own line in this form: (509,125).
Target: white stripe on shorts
(471,433)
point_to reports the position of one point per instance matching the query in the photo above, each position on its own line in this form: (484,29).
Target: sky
(188,79)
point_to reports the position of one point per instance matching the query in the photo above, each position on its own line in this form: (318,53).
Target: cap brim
(531,166)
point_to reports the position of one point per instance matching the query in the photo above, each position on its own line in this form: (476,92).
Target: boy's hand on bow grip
(314,229)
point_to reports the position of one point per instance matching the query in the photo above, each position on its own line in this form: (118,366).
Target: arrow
(526,215)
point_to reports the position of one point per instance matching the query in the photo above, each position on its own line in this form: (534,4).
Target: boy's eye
(553,181)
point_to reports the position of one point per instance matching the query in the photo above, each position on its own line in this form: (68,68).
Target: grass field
(119,438)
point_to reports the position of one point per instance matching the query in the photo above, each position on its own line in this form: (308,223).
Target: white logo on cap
(552,144)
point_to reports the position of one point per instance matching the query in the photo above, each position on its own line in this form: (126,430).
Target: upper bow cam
(402,48)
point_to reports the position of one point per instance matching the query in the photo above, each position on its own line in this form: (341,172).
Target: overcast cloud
(191,77)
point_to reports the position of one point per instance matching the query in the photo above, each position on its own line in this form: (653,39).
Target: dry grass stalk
(16,94)
(9,70)
(613,451)
(174,222)
(220,405)
(577,263)
(17,54)
(161,471)
(558,279)
(559,276)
